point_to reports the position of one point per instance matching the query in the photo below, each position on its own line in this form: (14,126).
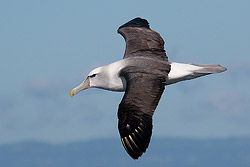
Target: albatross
(143,74)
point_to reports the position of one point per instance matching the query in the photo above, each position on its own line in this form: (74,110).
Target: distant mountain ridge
(165,152)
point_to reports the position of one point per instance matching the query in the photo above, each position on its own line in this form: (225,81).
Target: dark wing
(141,40)
(136,109)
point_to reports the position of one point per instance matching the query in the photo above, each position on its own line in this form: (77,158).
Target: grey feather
(209,68)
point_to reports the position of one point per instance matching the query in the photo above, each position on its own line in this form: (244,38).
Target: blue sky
(48,47)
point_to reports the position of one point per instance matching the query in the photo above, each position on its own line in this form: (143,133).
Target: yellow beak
(72,93)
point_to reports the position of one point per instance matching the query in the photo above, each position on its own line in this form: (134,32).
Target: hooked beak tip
(72,93)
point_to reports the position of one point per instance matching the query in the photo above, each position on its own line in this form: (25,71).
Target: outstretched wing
(136,109)
(141,40)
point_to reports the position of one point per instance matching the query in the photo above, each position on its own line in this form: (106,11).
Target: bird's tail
(181,72)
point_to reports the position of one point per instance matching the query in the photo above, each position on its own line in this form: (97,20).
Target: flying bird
(143,74)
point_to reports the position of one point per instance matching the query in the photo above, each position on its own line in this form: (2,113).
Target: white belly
(181,72)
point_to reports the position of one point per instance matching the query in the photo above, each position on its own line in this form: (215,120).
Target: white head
(96,78)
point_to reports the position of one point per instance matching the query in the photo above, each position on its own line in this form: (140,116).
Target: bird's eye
(93,75)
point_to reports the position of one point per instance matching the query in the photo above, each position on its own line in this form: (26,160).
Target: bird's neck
(115,81)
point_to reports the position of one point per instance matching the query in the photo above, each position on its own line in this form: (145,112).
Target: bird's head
(96,78)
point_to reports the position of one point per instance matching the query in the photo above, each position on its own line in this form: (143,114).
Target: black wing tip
(132,153)
(132,147)
(136,22)
(136,140)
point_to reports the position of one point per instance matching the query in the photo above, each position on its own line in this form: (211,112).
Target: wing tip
(136,141)
(136,22)
(134,155)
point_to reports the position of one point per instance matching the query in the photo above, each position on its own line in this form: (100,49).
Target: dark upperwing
(145,84)
(141,40)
